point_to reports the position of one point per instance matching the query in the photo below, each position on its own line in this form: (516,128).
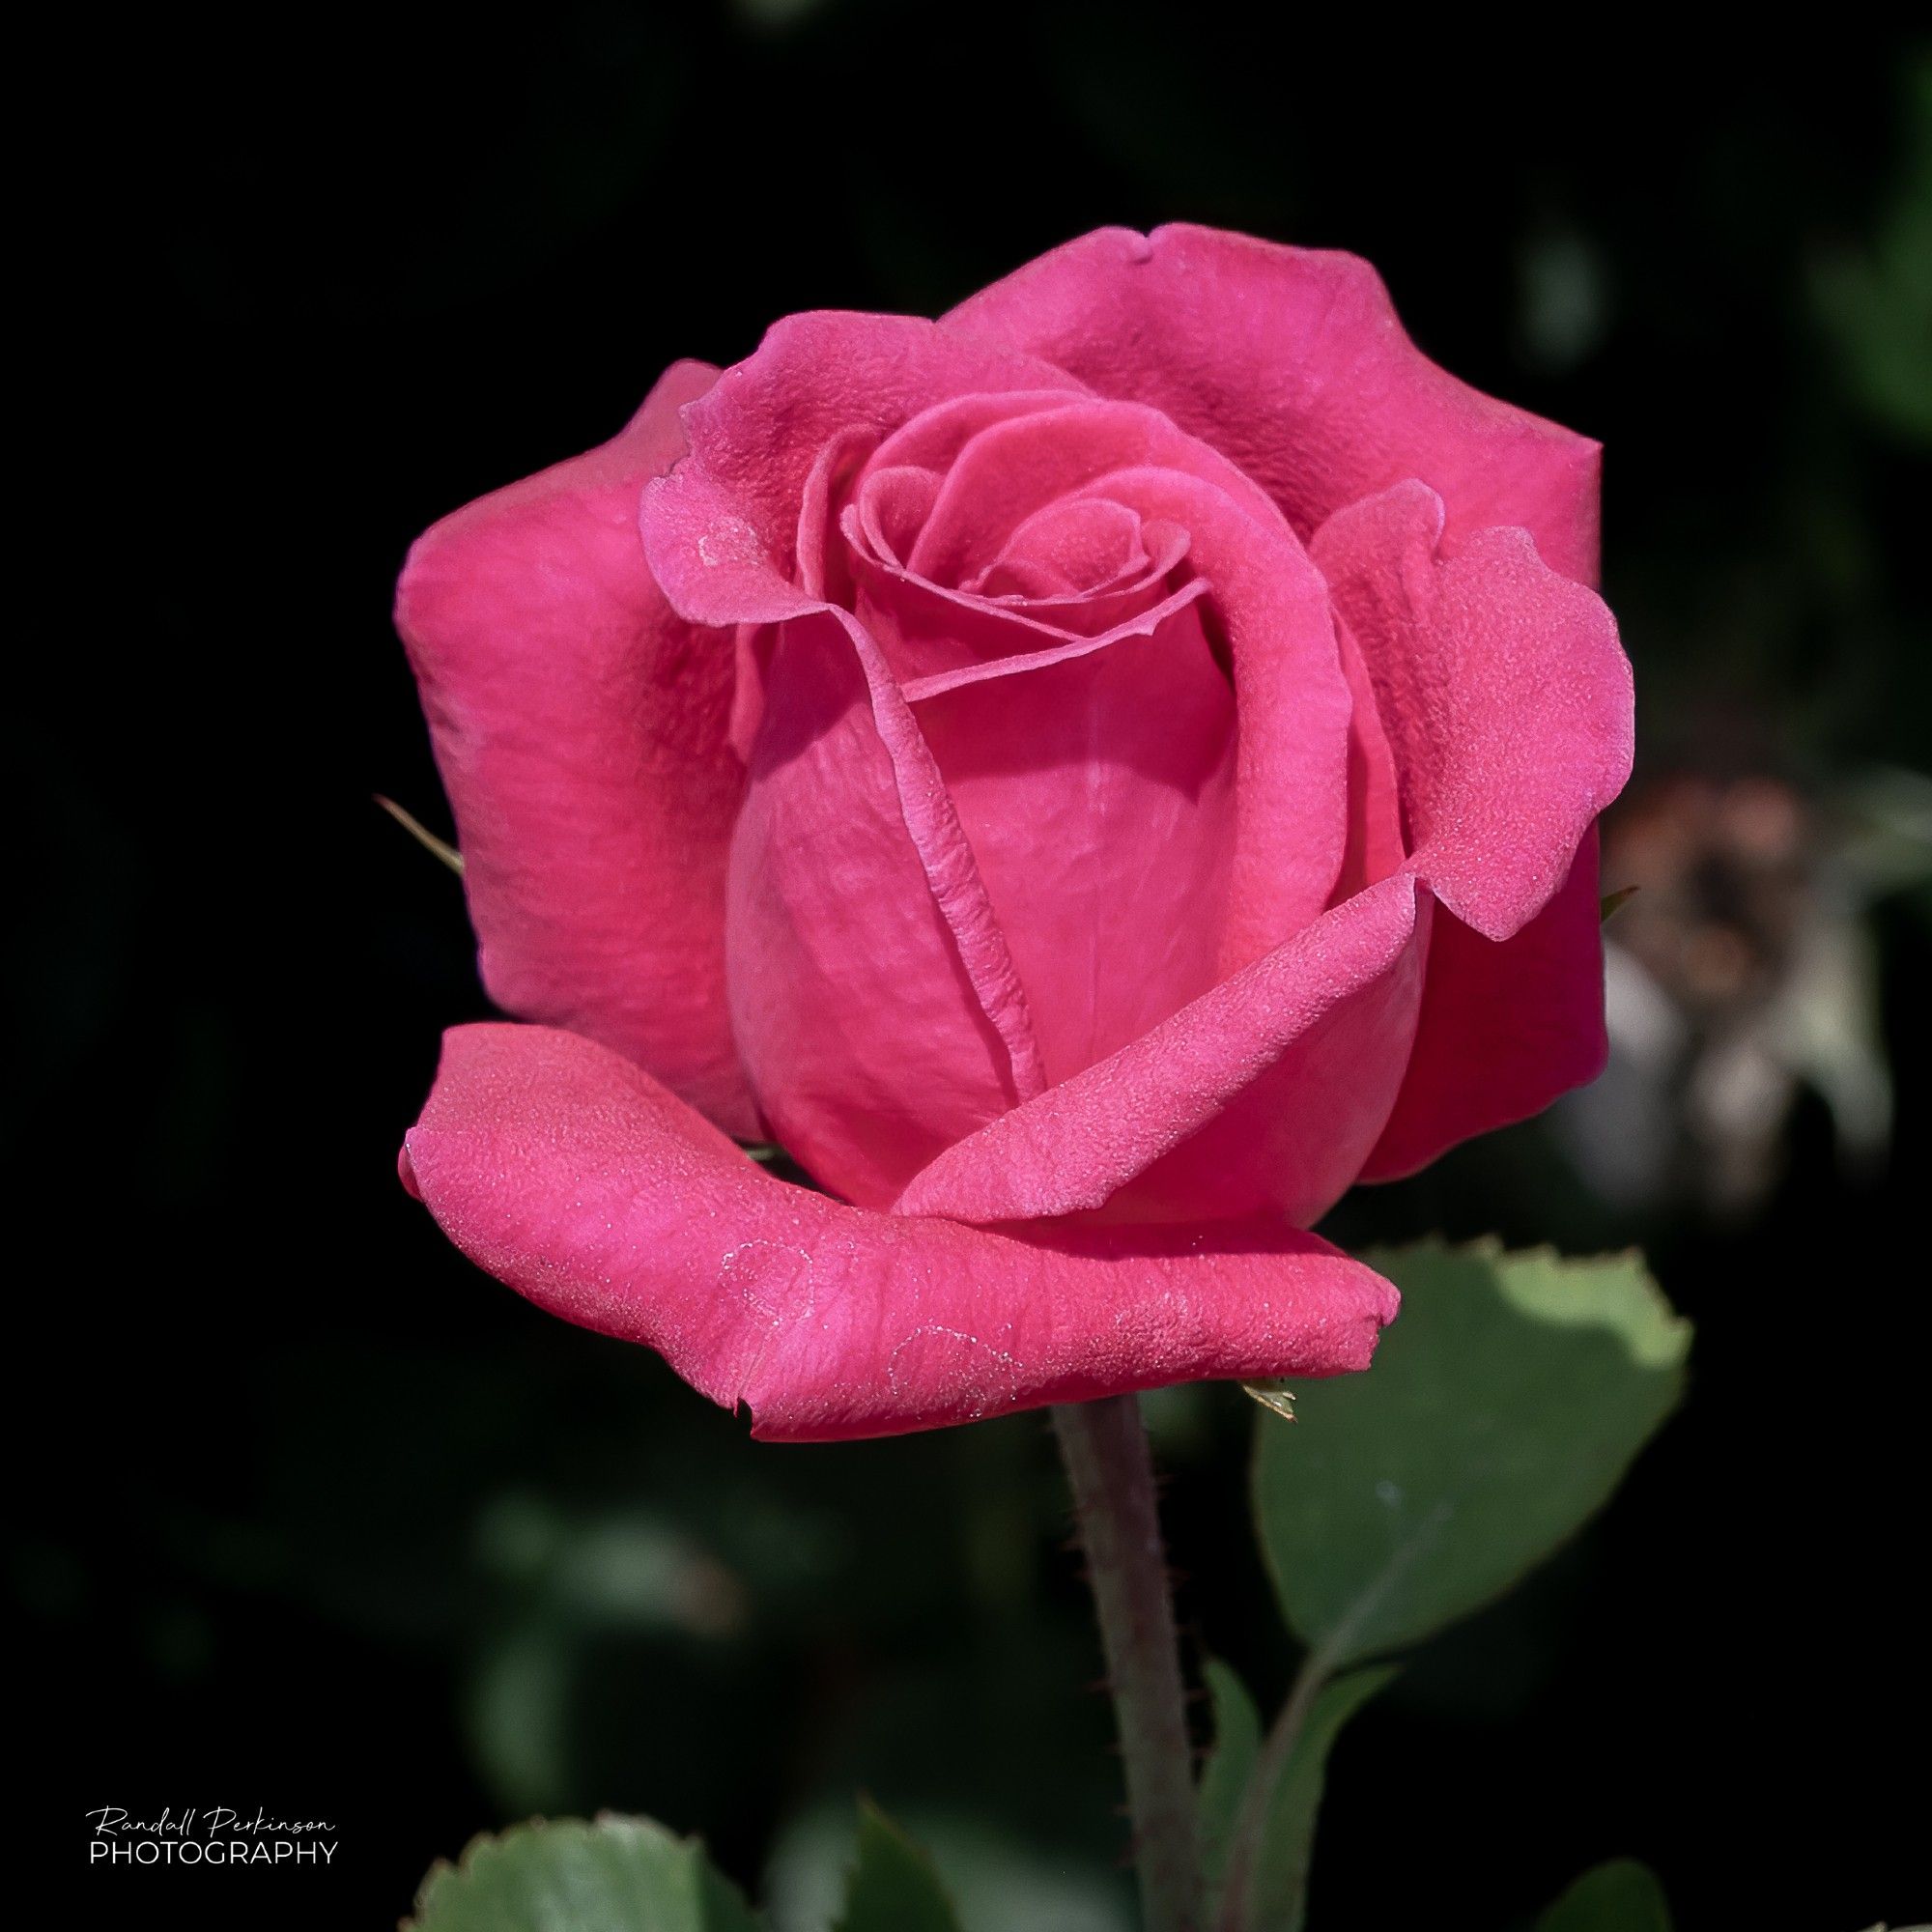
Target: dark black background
(309,1513)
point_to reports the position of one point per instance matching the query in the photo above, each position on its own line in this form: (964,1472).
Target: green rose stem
(1105,1450)
(1244,1841)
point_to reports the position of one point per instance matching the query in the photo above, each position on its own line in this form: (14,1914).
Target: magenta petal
(760,429)
(1292,362)
(1068,548)
(1266,1094)
(1505,1027)
(582,732)
(1015,467)
(872,997)
(572,1176)
(1292,809)
(1503,691)
(1376,845)
(1096,785)
(931,635)
(716,570)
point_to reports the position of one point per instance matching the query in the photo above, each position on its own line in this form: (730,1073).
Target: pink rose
(1094,775)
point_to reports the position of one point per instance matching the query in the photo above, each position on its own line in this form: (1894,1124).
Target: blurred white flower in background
(1741,973)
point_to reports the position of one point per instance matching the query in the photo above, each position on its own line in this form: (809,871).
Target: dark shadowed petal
(1506,1026)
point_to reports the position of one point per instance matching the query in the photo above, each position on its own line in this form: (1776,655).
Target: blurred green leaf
(893,1886)
(614,1875)
(1224,1779)
(1607,905)
(1278,1902)
(1502,1410)
(1877,303)
(1620,1896)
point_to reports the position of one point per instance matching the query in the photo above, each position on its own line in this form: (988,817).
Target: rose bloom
(1093,777)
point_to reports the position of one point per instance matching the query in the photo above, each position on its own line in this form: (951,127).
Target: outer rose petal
(580,728)
(573,1177)
(1264,1094)
(1292,362)
(1504,1029)
(825,374)
(1503,691)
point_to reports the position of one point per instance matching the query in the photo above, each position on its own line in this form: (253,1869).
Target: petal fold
(572,1176)
(1264,1094)
(1504,692)
(758,431)
(871,991)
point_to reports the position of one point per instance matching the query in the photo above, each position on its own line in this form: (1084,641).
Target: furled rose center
(1094,775)
(990,526)
(1053,642)
(1046,733)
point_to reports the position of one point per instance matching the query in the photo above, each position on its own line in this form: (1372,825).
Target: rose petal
(1096,785)
(758,431)
(889,509)
(572,1176)
(1068,549)
(1290,362)
(862,1032)
(1266,1093)
(1376,846)
(1015,467)
(929,633)
(1505,1027)
(711,561)
(1292,702)
(1504,692)
(580,728)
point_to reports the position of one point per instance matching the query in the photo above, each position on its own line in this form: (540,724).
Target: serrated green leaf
(611,1875)
(1502,1410)
(1620,1896)
(1279,1899)
(893,1886)
(1225,1778)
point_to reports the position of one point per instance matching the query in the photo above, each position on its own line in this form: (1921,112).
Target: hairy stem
(1105,1450)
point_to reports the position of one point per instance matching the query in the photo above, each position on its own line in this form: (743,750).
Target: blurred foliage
(893,1886)
(617,1874)
(1877,302)
(614,1875)
(1505,1404)
(1504,1407)
(1620,1896)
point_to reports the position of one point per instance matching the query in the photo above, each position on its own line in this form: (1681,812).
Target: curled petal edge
(569,1174)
